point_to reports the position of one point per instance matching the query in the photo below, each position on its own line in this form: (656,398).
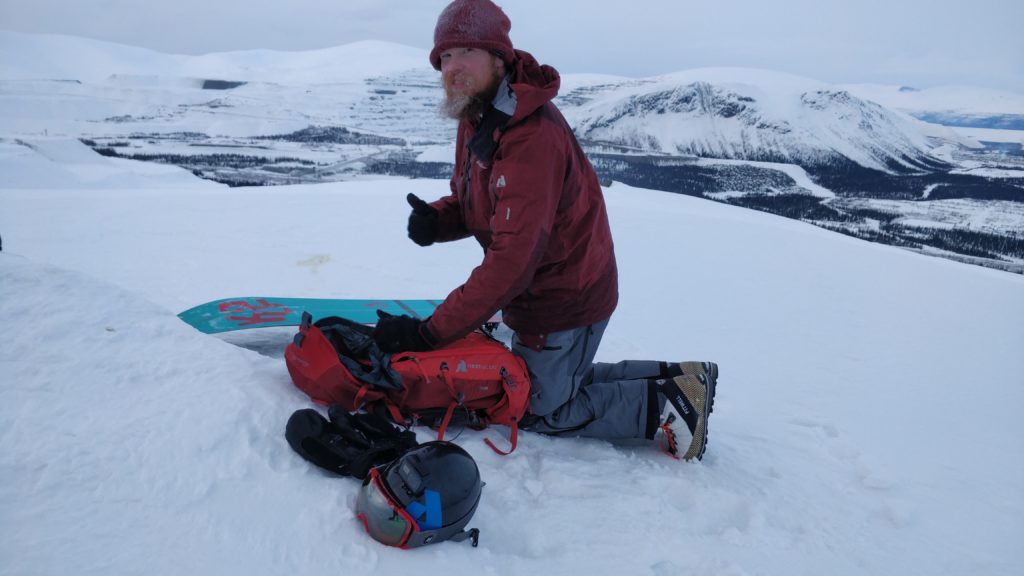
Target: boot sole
(702,389)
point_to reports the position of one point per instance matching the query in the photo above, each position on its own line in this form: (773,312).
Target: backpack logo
(501,182)
(461,367)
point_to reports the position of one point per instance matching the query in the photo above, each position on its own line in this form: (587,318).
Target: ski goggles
(385,521)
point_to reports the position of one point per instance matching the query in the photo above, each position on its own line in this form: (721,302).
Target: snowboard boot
(689,400)
(673,369)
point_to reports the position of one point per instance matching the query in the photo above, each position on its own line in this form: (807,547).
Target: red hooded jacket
(537,210)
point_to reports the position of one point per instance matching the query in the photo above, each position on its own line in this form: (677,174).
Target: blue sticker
(431,507)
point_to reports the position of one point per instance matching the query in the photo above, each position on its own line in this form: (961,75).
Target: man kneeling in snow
(524,189)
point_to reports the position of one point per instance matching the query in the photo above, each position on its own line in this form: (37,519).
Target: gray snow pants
(573,396)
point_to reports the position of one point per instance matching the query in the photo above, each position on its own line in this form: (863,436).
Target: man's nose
(453,64)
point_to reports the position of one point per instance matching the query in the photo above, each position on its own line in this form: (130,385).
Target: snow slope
(867,420)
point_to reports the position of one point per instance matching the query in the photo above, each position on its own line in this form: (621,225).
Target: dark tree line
(848,178)
(333,135)
(192,161)
(797,206)
(962,241)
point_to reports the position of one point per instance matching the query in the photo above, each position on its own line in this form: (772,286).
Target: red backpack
(476,380)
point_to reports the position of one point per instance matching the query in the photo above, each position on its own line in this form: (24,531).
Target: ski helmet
(427,495)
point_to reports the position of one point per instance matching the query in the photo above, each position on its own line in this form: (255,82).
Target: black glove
(422,221)
(349,443)
(399,333)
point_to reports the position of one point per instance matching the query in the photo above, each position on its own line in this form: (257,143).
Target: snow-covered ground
(867,419)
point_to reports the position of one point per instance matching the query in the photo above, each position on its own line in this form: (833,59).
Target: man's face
(471,78)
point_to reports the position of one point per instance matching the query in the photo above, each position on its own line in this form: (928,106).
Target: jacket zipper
(467,180)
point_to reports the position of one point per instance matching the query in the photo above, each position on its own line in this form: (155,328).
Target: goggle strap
(473,533)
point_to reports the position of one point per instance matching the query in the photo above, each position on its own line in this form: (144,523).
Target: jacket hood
(533,84)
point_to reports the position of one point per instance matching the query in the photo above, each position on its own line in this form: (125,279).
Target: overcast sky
(912,42)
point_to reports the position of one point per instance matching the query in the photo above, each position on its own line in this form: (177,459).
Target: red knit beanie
(472,24)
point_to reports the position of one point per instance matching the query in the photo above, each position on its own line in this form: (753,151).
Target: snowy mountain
(748,115)
(789,145)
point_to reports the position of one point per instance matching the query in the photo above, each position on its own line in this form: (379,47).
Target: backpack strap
(447,420)
(393,411)
(508,384)
(358,401)
(458,399)
(513,438)
(446,375)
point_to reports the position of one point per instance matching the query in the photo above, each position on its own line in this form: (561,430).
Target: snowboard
(247,312)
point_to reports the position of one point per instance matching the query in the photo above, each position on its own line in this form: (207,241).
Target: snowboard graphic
(258,311)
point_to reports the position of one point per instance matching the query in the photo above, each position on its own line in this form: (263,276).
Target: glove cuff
(427,336)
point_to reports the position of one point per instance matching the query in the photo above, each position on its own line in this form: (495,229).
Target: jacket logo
(501,182)
(461,367)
